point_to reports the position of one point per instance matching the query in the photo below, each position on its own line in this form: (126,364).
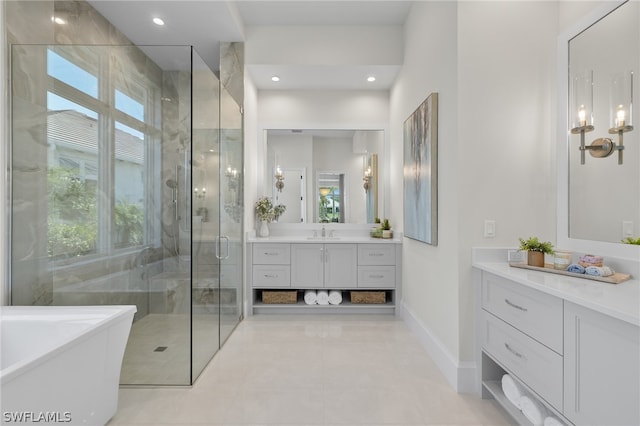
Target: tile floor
(313,370)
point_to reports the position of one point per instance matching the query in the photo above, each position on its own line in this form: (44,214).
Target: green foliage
(266,211)
(69,240)
(129,224)
(377,220)
(386,225)
(631,240)
(533,244)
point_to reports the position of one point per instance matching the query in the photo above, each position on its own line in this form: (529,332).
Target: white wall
(251,150)
(493,64)
(430,273)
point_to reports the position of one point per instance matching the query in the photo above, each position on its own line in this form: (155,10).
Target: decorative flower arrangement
(266,211)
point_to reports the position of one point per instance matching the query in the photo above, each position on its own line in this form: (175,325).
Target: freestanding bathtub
(61,364)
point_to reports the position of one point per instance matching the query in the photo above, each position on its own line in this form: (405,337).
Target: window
(100,142)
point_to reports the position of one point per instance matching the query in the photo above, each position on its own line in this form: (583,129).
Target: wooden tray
(616,278)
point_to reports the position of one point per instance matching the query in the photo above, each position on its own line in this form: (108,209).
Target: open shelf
(345,307)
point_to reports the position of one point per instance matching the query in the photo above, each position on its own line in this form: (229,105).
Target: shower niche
(123,192)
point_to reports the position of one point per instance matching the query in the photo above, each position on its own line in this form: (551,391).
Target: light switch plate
(489,228)
(627,228)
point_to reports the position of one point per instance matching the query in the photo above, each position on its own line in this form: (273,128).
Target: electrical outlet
(489,228)
(627,228)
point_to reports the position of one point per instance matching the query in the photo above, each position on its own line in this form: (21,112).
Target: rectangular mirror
(325,176)
(604,196)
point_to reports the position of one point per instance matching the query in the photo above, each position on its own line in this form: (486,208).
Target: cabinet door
(341,266)
(307,265)
(601,368)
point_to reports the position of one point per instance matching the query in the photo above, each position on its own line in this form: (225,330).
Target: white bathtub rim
(118,313)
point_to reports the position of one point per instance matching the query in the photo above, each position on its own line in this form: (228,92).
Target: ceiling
(204,23)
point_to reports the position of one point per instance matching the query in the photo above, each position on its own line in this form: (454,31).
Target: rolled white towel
(534,411)
(335,297)
(310,297)
(323,297)
(552,421)
(512,390)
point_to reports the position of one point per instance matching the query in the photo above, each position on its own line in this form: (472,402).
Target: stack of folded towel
(590,260)
(533,410)
(323,297)
(591,265)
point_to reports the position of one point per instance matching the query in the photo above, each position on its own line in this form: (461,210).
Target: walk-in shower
(119,195)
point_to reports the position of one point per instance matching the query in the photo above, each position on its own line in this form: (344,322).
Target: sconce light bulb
(582,116)
(620,116)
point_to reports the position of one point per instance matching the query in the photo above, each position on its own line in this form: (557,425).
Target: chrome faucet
(324,232)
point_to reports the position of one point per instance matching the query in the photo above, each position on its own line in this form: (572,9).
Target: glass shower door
(231,214)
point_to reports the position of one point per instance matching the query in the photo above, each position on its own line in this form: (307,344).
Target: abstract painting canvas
(421,172)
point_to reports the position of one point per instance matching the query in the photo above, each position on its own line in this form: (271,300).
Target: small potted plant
(267,212)
(376,231)
(536,250)
(631,240)
(386,229)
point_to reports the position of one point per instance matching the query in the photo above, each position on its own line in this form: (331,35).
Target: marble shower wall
(29,23)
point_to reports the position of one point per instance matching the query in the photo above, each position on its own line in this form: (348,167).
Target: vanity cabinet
(582,364)
(271,265)
(344,266)
(331,266)
(602,368)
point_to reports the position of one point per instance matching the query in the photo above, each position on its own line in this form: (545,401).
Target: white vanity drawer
(272,254)
(536,314)
(377,276)
(535,364)
(376,254)
(268,276)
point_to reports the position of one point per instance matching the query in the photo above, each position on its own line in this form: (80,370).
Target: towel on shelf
(323,297)
(335,297)
(590,260)
(310,297)
(552,421)
(512,390)
(598,271)
(575,268)
(534,411)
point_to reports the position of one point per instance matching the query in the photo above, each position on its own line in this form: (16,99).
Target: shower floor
(158,350)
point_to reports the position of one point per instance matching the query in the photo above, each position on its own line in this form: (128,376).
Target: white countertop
(621,301)
(327,240)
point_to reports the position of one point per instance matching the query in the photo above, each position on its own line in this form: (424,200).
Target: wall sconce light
(621,103)
(279,179)
(200,194)
(232,175)
(367,178)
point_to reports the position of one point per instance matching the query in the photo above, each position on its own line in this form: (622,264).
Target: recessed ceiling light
(158,21)
(371,79)
(58,20)
(275,78)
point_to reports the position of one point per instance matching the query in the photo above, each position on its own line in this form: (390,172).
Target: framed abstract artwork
(421,172)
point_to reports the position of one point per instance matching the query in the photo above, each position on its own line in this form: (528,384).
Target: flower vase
(264,229)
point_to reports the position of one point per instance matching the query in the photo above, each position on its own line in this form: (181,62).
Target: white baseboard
(460,375)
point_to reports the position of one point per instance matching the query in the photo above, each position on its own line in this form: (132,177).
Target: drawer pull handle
(513,305)
(376,254)
(266,253)
(376,276)
(513,351)
(270,276)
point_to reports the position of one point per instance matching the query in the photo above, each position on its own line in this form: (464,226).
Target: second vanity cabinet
(345,266)
(581,363)
(315,266)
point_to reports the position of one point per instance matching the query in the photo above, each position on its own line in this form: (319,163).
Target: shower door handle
(218,243)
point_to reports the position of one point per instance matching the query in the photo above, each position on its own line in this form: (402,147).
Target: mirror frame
(384,162)
(620,250)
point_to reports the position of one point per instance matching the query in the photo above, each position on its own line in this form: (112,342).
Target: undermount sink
(323,238)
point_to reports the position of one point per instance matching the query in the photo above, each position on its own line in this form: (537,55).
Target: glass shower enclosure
(126,189)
